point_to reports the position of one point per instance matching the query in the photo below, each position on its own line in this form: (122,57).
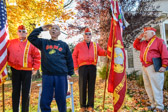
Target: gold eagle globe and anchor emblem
(118,57)
(52,51)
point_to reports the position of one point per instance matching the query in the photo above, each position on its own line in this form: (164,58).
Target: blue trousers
(51,84)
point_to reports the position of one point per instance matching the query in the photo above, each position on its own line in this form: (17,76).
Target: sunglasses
(87,33)
(23,31)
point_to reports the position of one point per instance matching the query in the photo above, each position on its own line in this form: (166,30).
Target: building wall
(136,62)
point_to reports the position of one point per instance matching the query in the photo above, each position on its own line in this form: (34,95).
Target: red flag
(116,52)
(3,41)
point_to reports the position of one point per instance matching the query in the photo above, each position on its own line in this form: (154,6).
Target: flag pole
(105,82)
(3,97)
(3,85)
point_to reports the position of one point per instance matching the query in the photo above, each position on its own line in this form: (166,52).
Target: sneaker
(82,109)
(90,109)
(158,110)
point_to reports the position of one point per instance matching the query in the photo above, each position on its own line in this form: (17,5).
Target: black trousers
(87,78)
(20,80)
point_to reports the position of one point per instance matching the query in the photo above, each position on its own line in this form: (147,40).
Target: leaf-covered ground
(136,98)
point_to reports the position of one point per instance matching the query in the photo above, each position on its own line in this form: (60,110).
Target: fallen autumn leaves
(136,98)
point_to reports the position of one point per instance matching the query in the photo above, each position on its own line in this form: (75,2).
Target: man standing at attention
(57,63)
(24,60)
(152,47)
(85,57)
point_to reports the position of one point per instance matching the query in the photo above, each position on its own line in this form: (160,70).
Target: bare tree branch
(67,4)
(95,14)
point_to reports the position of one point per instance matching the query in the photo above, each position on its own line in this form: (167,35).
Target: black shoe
(158,110)
(151,108)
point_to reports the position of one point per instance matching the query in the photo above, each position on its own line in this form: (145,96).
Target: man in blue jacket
(57,63)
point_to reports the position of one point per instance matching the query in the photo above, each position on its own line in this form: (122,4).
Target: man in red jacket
(24,60)
(152,47)
(85,57)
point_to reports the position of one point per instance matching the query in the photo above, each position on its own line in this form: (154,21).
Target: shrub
(102,72)
(140,81)
(9,72)
(133,75)
(166,81)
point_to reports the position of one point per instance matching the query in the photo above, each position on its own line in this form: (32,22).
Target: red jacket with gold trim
(82,55)
(22,55)
(153,48)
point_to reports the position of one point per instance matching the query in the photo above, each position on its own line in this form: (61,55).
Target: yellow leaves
(34,12)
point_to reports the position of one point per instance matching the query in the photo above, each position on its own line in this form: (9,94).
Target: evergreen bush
(102,72)
(166,81)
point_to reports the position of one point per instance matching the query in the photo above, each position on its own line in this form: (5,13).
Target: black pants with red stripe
(87,78)
(21,79)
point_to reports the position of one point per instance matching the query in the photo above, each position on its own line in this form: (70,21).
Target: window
(130,58)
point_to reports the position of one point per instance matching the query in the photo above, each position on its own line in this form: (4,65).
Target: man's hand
(46,27)
(162,69)
(76,72)
(34,72)
(140,36)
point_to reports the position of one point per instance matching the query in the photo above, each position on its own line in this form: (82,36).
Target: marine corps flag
(116,53)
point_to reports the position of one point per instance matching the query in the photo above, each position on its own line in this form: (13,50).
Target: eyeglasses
(87,33)
(23,31)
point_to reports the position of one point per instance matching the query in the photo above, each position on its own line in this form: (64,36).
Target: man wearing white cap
(152,47)
(24,59)
(85,56)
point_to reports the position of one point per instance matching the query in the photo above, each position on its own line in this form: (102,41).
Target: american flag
(3,41)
